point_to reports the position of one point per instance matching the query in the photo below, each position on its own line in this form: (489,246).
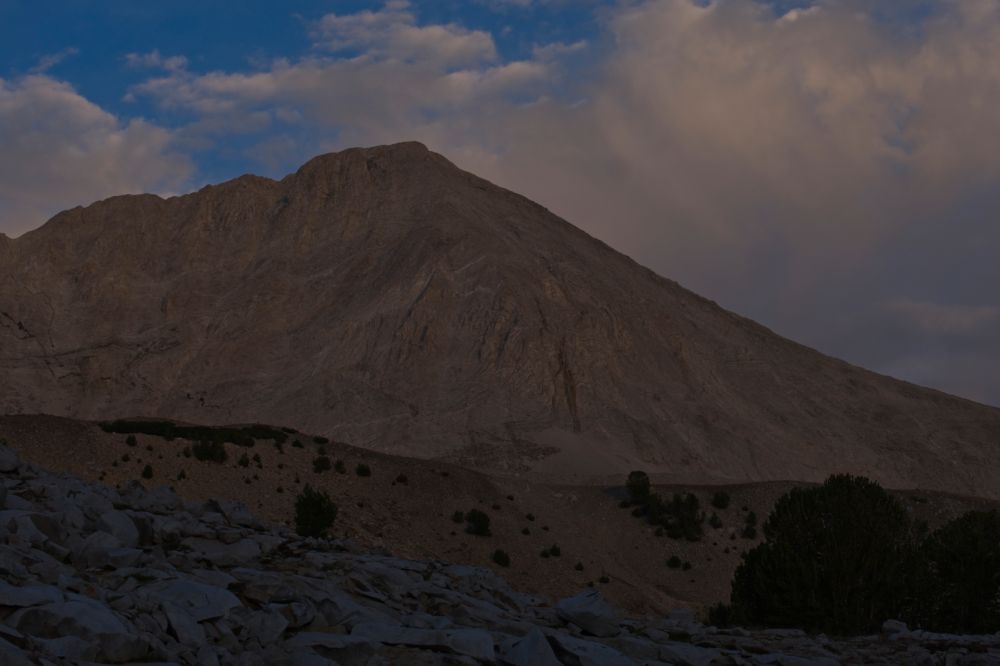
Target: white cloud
(945,319)
(393,33)
(58,150)
(155,60)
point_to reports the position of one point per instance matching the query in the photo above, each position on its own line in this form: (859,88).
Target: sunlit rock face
(386,298)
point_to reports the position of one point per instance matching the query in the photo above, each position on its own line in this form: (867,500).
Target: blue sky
(827,167)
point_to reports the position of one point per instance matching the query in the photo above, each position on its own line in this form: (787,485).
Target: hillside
(405,507)
(384,298)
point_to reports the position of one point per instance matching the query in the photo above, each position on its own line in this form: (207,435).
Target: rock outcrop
(385,298)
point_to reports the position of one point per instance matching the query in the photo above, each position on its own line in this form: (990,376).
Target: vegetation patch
(315,513)
(239,435)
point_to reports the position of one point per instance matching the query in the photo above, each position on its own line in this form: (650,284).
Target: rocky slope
(385,298)
(91,574)
(406,507)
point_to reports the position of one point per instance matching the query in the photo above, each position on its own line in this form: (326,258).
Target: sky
(829,168)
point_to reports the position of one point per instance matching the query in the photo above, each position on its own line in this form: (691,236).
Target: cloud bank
(59,150)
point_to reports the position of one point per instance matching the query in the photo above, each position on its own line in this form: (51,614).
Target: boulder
(121,526)
(22,596)
(474,643)
(572,650)
(531,650)
(82,619)
(9,460)
(222,554)
(200,601)
(591,613)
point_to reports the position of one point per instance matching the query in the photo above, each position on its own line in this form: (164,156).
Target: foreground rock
(96,575)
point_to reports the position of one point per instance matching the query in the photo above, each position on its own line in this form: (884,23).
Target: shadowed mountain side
(385,298)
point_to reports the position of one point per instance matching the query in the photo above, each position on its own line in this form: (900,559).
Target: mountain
(385,298)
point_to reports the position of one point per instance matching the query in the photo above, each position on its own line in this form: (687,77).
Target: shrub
(244,461)
(181,475)
(604,580)
(258,461)
(686,566)
(321,464)
(209,451)
(314,512)
(297,444)
(363,470)
(530,516)
(720,499)
(555,551)
(720,615)
(681,516)
(749,532)
(458,517)
(834,559)
(340,467)
(321,440)
(578,566)
(674,562)
(638,486)
(402,480)
(130,440)
(478,523)
(501,557)
(715,521)
(147,472)
(957,577)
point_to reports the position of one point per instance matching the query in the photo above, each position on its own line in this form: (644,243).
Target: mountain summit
(386,298)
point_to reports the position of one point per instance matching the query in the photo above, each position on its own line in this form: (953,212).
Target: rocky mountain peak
(388,299)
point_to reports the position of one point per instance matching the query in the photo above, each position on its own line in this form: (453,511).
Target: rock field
(97,575)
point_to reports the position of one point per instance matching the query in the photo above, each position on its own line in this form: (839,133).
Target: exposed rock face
(386,298)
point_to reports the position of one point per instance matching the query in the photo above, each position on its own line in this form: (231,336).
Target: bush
(402,480)
(363,470)
(244,461)
(242,436)
(578,566)
(674,562)
(501,557)
(314,513)
(681,517)
(638,487)
(478,523)
(458,517)
(321,440)
(720,499)
(715,521)
(720,615)
(834,559)
(957,577)
(555,551)
(130,440)
(321,464)
(147,472)
(340,467)
(209,451)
